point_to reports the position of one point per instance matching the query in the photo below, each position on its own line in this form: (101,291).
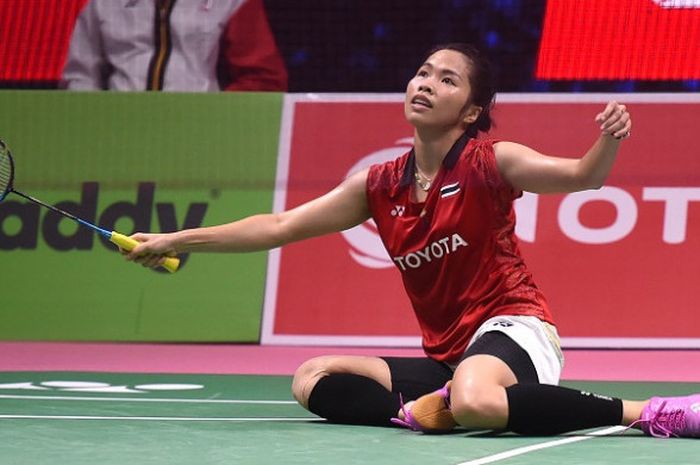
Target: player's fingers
(152,244)
(617,120)
(625,131)
(615,124)
(609,109)
(136,259)
(618,113)
(141,237)
(159,261)
(620,128)
(137,251)
(147,260)
(140,252)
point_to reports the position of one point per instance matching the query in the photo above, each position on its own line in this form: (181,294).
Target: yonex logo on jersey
(695,407)
(398,210)
(436,249)
(503,324)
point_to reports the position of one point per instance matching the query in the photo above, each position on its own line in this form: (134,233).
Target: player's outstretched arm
(340,209)
(528,170)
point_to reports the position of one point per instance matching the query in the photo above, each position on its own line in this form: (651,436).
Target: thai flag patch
(449,190)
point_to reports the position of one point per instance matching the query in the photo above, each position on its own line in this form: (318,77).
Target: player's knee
(465,405)
(475,407)
(307,375)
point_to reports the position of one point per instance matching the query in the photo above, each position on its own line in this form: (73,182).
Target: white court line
(544,445)
(89,417)
(122,399)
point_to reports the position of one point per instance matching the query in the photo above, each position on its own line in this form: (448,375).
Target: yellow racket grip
(125,242)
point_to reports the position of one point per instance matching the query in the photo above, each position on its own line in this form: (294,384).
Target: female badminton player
(492,352)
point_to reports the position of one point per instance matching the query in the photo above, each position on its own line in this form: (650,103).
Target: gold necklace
(424,185)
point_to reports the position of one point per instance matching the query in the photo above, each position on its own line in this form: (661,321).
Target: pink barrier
(678,366)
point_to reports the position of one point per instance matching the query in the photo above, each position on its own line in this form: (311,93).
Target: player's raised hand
(615,120)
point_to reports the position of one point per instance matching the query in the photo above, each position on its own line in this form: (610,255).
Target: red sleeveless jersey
(457,251)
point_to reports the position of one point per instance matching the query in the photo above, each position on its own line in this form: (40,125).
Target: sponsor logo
(31,225)
(676,202)
(503,324)
(436,249)
(597,396)
(398,210)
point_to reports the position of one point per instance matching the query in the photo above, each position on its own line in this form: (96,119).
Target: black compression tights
(534,409)
(353,399)
(543,409)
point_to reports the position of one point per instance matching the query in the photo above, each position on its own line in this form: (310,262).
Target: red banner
(622,39)
(619,265)
(34,38)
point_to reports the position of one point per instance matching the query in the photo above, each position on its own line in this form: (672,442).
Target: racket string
(5,170)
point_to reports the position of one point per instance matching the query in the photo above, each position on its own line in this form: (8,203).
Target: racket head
(7,170)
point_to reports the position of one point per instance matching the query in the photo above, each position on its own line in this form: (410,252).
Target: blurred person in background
(174,45)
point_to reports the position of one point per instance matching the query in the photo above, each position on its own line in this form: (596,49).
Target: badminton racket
(7,172)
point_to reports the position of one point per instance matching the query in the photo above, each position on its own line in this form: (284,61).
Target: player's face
(437,95)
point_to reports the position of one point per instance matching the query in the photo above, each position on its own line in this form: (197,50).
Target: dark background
(340,45)
(376,45)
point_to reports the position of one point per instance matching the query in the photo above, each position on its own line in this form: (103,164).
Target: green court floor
(97,418)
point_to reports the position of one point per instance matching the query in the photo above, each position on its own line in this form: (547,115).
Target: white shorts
(538,338)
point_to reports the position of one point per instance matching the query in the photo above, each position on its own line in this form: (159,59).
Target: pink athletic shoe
(429,413)
(664,417)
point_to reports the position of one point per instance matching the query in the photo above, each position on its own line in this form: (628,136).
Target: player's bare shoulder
(507,152)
